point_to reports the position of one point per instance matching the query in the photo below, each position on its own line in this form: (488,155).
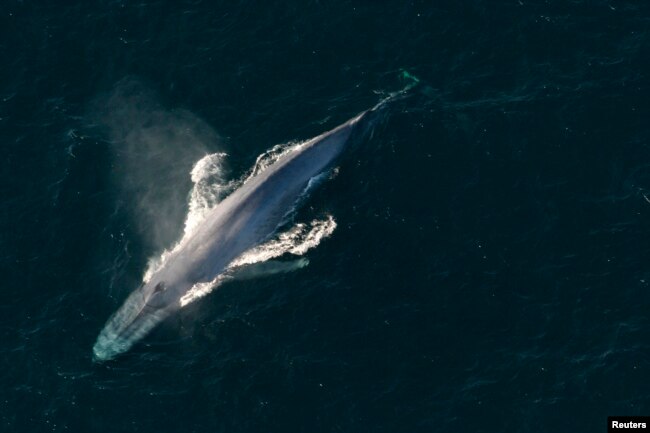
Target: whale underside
(242,221)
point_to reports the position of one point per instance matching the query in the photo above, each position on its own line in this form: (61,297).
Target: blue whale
(246,218)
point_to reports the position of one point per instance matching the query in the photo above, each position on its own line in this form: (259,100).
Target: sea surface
(490,266)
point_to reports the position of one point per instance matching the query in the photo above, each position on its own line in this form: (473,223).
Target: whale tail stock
(376,116)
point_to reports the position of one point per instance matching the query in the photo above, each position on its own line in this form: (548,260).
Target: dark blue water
(490,269)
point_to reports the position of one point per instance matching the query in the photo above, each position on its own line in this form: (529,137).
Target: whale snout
(106,348)
(128,325)
(119,336)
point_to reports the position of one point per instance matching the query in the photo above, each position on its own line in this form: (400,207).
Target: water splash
(270,156)
(199,290)
(296,241)
(208,190)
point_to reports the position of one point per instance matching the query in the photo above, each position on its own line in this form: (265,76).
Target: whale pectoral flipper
(264,269)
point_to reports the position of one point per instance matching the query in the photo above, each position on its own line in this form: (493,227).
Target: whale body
(246,218)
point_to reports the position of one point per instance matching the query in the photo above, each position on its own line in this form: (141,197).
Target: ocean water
(489,270)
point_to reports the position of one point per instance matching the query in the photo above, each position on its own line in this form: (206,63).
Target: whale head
(141,312)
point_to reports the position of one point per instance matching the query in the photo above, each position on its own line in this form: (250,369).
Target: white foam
(270,156)
(199,290)
(209,188)
(296,241)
